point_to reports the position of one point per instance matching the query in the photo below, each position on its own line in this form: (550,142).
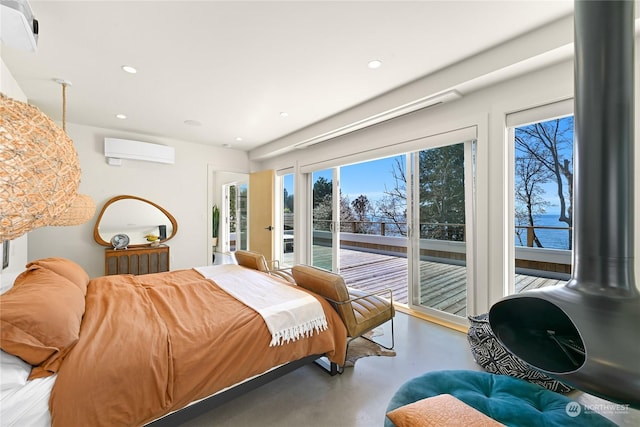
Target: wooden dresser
(142,260)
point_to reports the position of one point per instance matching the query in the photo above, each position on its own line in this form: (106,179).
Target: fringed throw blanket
(289,313)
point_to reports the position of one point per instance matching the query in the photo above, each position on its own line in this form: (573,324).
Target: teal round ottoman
(508,400)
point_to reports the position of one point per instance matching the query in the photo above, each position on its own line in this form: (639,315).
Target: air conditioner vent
(18,28)
(116,149)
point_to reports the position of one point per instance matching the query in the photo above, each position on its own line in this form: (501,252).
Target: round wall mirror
(140,219)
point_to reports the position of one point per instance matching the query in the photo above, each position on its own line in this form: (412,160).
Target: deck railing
(437,241)
(428,230)
(531,231)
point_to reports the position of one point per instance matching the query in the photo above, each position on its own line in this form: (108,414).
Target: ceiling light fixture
(82,207)
(238,138)
(40,172)
(129,69)
(284,114)
(192,123)
(64,83)
(121,116)
(376,63)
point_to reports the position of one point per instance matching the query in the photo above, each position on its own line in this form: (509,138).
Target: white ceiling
(234,66)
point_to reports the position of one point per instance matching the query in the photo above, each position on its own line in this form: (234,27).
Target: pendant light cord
(64,107)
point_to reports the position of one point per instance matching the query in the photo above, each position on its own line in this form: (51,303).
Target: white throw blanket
(289,313)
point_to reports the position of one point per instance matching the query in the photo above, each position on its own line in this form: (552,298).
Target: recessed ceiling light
(376,63)
(192,123)
(121,116)
(129,69)
(284,114)
(238,138)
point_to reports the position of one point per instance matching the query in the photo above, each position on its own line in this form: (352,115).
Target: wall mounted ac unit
(117,149)
(18,27)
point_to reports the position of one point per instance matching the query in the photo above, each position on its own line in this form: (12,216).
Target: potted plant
(216,224)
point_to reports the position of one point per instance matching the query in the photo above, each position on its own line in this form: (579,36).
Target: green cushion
(511,401)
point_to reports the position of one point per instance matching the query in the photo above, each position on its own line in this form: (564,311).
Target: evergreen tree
(322,191)
(442,204)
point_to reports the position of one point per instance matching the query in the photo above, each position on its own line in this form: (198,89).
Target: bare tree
(530,175)
(322,213)
(545,142)
(393,205)
(323,206)
(441,201)
(347,217)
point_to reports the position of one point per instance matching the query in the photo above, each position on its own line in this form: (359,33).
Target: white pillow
(13,371)
(6,281)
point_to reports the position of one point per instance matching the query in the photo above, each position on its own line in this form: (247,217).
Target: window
(542,197)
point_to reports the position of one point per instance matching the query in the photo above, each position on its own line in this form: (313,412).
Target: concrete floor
(309,397)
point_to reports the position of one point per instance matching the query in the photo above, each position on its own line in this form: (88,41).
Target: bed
(128,350)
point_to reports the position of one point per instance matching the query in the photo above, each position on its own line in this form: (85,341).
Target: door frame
(413,244)
(261,212)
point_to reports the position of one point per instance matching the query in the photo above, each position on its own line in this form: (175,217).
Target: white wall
(181,188)
(18,247)
(8,84)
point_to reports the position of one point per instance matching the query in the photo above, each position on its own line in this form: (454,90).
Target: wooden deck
(443,286)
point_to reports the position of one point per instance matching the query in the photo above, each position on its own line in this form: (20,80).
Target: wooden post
(530,236)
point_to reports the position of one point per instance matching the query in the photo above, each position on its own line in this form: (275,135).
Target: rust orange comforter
(152,344)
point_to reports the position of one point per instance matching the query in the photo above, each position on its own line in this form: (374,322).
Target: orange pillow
(438,411)
(40,319)
(67,269)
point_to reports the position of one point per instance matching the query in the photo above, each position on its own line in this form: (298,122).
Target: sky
(367,178)
(550,189)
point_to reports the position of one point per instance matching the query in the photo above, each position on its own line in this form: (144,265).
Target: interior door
(234,217)
(261,212)
(241,216)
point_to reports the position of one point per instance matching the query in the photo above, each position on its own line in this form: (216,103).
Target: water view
(556,238)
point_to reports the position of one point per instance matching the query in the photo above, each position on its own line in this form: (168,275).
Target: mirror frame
(102,242)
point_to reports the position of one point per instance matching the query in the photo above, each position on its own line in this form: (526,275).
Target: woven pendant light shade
(39,169)
(81,210)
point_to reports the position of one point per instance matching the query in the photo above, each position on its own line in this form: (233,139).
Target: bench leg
(329,367)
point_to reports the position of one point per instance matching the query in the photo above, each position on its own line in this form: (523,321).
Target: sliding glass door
(325,219)
(442,201)
(402,222)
